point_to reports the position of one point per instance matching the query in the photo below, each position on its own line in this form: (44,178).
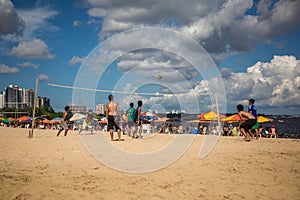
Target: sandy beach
(50,167)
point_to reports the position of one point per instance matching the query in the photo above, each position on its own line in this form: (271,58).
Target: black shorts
(248,124)
(112,123)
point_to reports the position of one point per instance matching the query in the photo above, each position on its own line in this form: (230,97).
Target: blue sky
(254,45)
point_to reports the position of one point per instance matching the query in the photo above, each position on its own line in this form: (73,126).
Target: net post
(34,107)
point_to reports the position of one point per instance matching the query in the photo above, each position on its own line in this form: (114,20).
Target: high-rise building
(78,109)
(27,98)
(12,97)
(1,100)
(15,97)
(100,109)
(42,102)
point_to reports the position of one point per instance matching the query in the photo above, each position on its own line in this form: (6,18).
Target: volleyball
(158,76)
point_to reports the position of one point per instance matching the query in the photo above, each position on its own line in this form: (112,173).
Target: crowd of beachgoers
(229,129)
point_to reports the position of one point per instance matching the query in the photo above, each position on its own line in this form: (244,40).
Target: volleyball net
(163,104)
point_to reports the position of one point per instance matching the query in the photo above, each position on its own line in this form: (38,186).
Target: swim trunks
(112,123)
(255,125)
(248,124)
(64,125)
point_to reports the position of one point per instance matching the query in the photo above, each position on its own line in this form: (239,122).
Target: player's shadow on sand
(117,140)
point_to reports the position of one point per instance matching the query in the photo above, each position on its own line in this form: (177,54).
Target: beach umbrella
(103,120)
(11,119)
(77,116)
(198,121)
(233,118)
(6,121)
(56,120)
(210,116)
(46,121)
(24,118)
(261,119)
(148,115)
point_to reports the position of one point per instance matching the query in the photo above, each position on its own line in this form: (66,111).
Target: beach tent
(77,116)
(210,116)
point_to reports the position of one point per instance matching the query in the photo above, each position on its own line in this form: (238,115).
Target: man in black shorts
(112,112)
(246,125)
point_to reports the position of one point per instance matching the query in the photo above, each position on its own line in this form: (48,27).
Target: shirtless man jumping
(112,111)
(247,125)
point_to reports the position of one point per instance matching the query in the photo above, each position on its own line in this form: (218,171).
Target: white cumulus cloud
(221,26)
(4,69)
(43,77)
(34,49)
(28,64)
(272,84)
(275,85)
(75,59)
(37,22)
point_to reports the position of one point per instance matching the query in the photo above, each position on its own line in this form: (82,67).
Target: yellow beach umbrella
(211,116)
(261,119)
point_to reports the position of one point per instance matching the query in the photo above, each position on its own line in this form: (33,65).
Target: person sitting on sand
(273,131)
(247,125)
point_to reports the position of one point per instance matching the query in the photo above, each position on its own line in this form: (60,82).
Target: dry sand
(50,167)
